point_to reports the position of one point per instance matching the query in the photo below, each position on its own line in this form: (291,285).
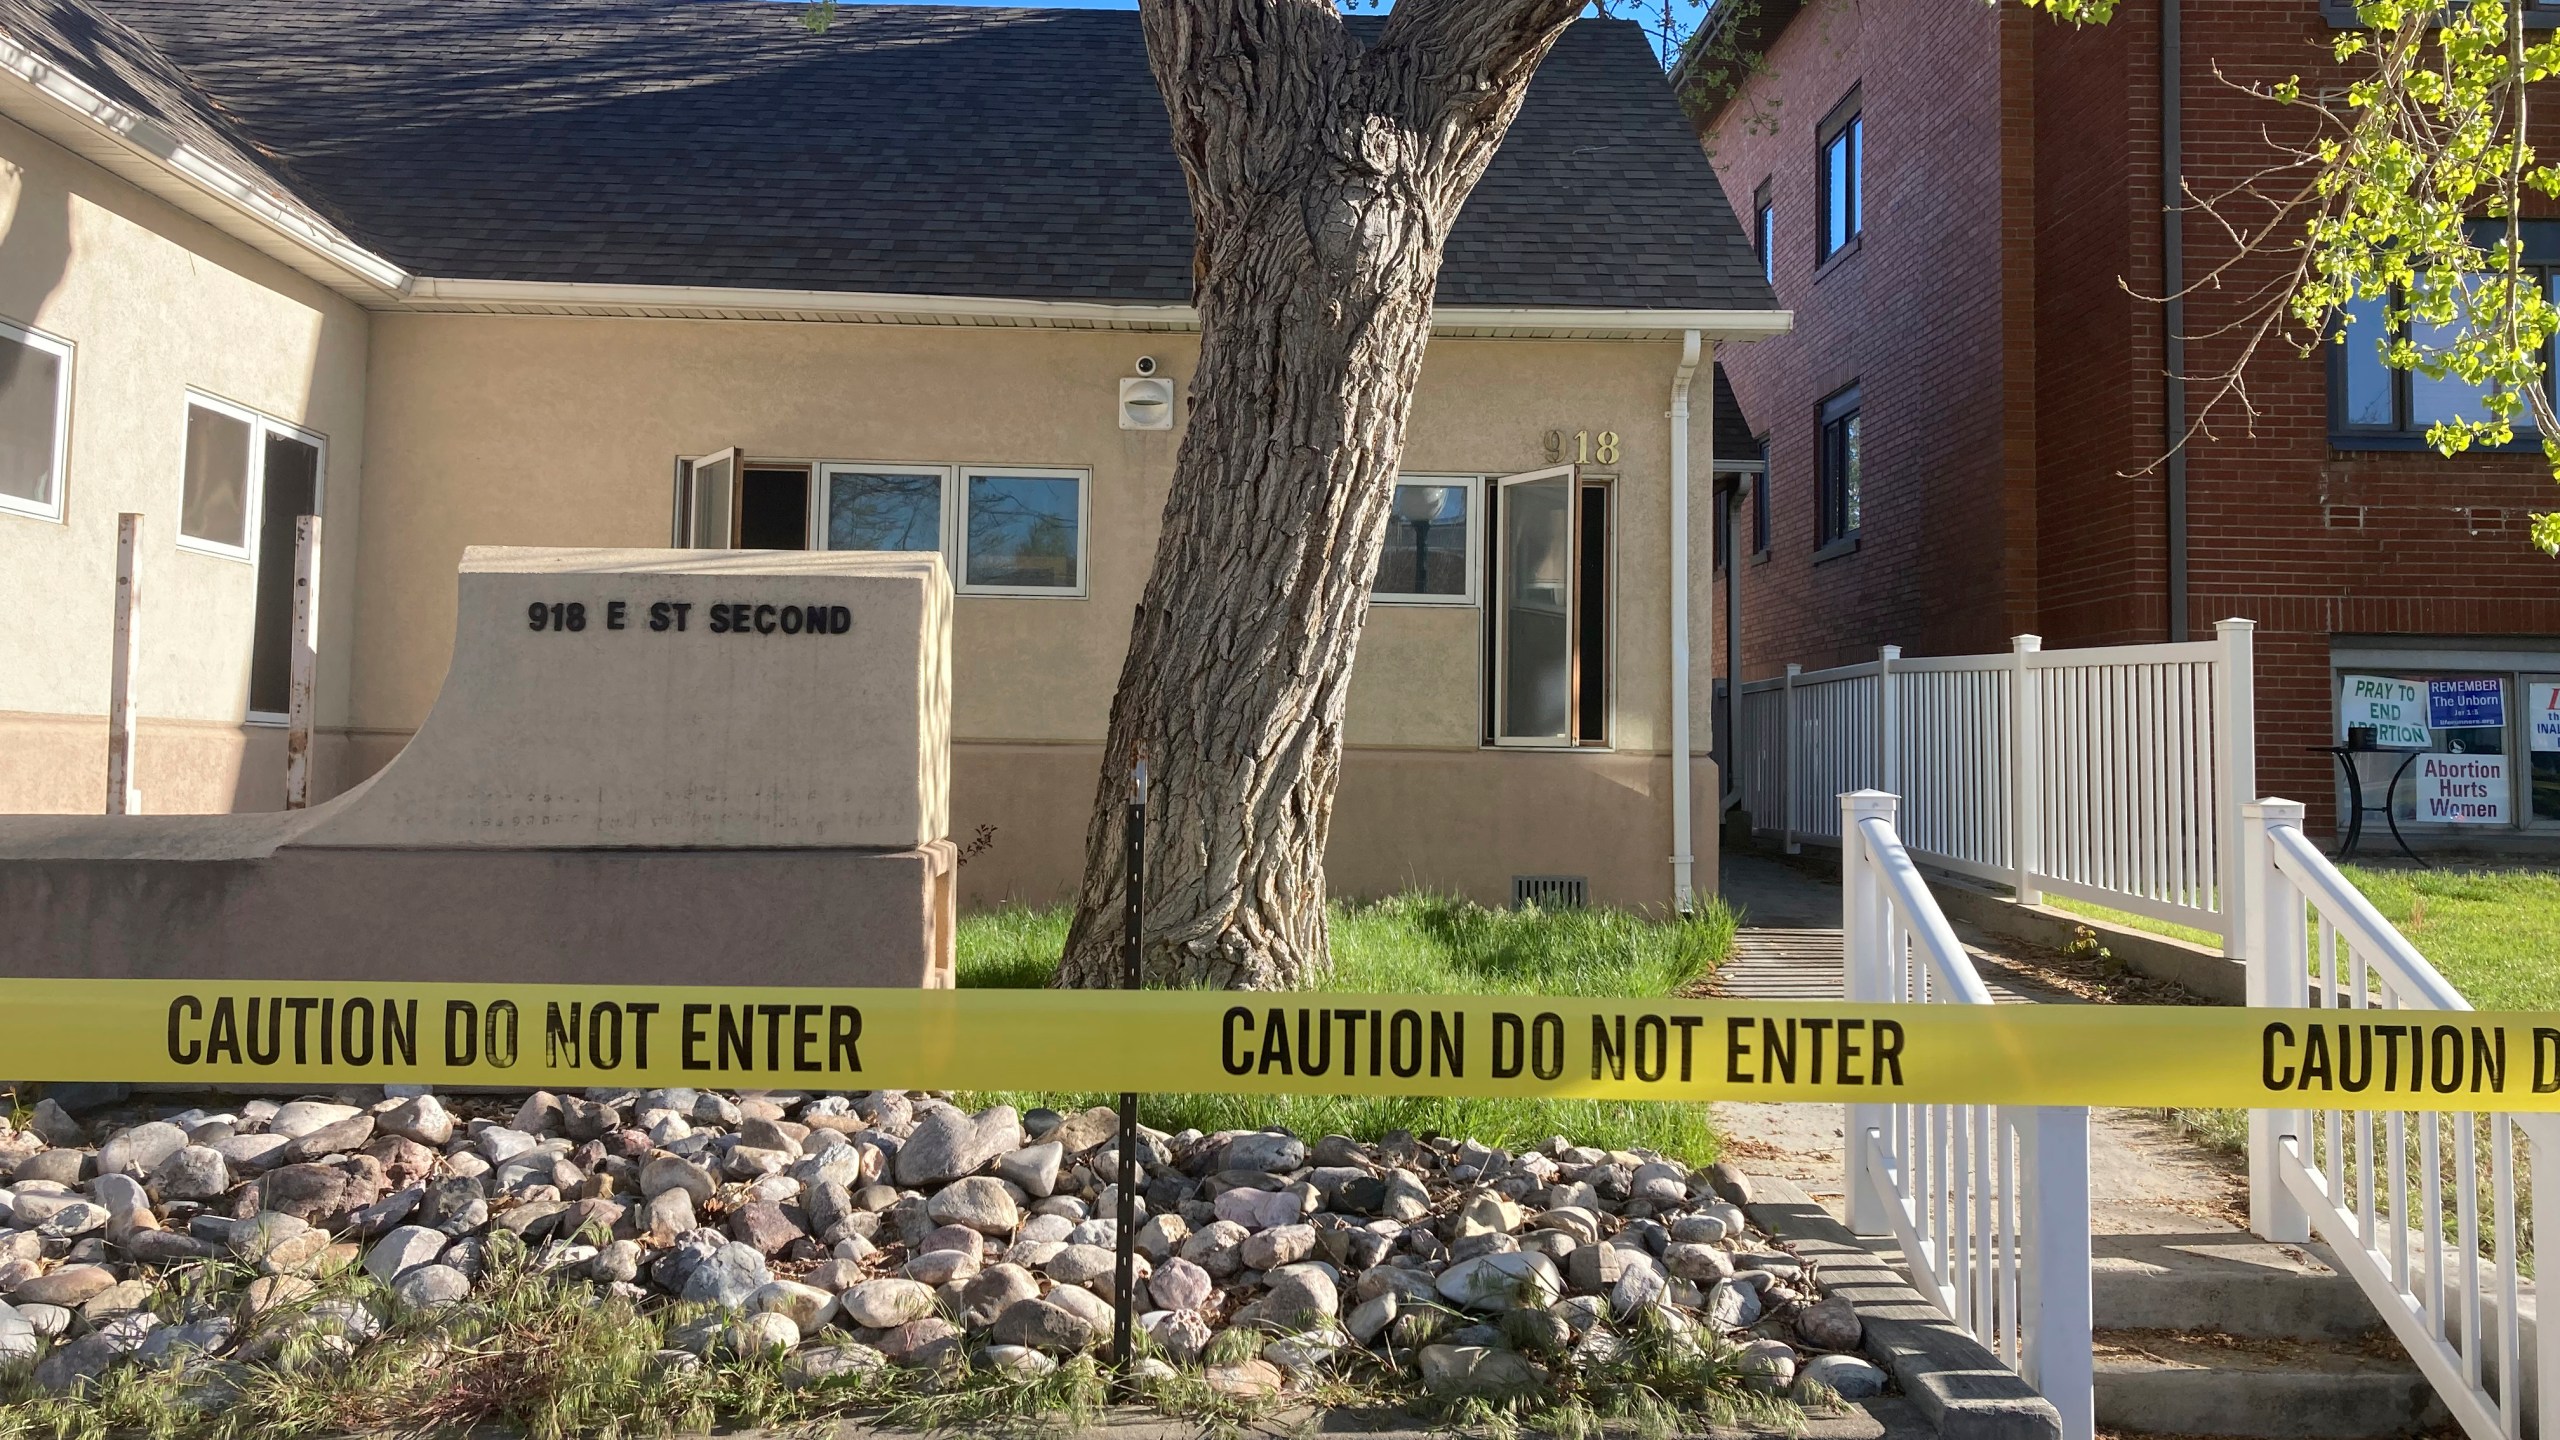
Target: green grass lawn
(1429,945)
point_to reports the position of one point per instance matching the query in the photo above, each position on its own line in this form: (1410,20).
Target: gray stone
(942,1267)
(1704,1264)
(765,1332)
(538,1115)
(669,1215)
(74,1367)
(54,1126)
(1178,1284)
(948,1144)
(342,1138)
(1371,1317)
(670,1172)
(298,1118)
(764,1226)
(404,1250)
(1081,1265)
(1508,1281)
(1016,1360)
(727,1276)
(1034,1169)
(1180,1334)
(923,1344)
(1301,1295)
(17,1335)
(1267,1151)
(1729,1183)
(50,1322)
(993,1291)
(887,1304)
(1159,1239)
(74,1220)
(192,1172)
(171,1345)
(1704,1228)
(980,1202)
(1851,1377)
(1278,1246)
(1768,1365)
(820,1364)
(1732,1305)
(431,1287)
(70,1286)
(1474,1371)
(1831,1324)
(422,1118)
(127,1204)
(250,1154)
(139,1151)
(1246,1380)
(1041,1325)
(1217,1248)
(808,1307)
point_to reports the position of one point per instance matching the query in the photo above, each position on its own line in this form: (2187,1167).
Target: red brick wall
(2015,191)
(1913,314)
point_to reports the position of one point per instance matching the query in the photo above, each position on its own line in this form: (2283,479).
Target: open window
(707,501)
(1551,617)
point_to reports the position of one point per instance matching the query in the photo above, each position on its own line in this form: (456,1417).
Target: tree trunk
(1324,178)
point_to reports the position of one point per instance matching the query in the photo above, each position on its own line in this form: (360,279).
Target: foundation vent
(1550,892)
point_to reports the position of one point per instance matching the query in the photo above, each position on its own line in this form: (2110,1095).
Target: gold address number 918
(1585,447)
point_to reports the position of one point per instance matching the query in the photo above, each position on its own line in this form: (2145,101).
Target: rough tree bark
(1324,177)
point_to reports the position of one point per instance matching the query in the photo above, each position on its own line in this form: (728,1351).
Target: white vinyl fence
(2433,1214)
(1989,1203)
(2114,775)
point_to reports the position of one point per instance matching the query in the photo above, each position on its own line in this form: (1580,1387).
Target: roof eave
(69,111)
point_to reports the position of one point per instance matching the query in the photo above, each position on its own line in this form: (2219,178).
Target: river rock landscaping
(851,1250)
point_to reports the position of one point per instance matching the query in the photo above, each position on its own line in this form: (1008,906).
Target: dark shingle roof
(1734,438)
(910,149)
(111,58)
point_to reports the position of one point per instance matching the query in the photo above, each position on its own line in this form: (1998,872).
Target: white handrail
(1989,1203)
(2399,1195)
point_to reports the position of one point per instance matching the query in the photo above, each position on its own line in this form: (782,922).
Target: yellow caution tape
(146,1031)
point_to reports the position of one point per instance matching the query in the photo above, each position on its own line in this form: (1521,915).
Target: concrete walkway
(1788,948)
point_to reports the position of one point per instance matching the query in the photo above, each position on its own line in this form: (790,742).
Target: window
(1760,503)
(1430,554)
(1551,631)
(1764,232)
(886,508)
(1022,531)
(1837,495)
(1001,530)
(35,421)
(2375,406)
(213,510)
(1843,143)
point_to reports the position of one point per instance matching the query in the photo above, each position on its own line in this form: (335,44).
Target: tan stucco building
(384,271)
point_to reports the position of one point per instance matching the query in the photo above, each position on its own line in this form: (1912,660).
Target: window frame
(1837,409)
(1848,118)
(319,504)
(1474,593)
(1764,228)
(57,507)
(261,426)
(822,498)
(957,520)
(2404,433)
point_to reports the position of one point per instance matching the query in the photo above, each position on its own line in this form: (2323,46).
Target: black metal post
(1125,1265)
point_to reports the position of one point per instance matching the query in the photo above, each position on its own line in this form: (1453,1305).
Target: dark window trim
(1760,504)
(1830,499)
(1764,229)
(1850,111)
(2541,252)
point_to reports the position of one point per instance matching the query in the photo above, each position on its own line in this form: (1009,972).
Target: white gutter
(1683,881)
(430,293)
(73,100)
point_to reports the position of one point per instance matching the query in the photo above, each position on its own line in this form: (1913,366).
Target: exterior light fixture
(1146,403)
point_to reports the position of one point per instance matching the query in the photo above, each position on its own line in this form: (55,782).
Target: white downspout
(1683,889)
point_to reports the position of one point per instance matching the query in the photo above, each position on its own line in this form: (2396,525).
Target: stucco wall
(527,430)
(155,303)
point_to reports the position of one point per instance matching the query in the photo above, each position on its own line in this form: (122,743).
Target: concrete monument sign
(670,766)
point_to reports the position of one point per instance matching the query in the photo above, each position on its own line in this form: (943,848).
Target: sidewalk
(1788,948)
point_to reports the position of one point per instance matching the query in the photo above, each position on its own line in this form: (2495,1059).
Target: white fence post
(123,796)
(306,662)
(2026,772)
(2235,752)
(2279,976)
(1865,941)
(1787,760)
(2545,1361)
(1888,727)
(2055,1293)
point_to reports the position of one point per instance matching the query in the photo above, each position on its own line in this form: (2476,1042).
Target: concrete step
(2181,1273)
(2183,1383)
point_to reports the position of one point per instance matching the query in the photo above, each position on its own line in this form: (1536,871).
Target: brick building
(1962,205)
